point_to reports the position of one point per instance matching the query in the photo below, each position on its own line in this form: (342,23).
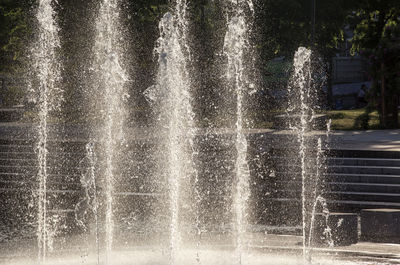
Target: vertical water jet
(235,46)
(172,101)
(109,86)
(302,75)
(316,196)
(303,99)
(46,69)
(89,204)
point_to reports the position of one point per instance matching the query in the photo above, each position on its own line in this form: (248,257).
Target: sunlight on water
(171,100)
(110,86)
(235,44)
(47,70)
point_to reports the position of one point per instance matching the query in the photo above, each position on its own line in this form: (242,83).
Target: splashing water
(89,205)
(303,100)
(47,70)
(110,84)
(182,24)
(172,100)
(301,105)
(317,198)
(327,231)
(235,45)
(92,188)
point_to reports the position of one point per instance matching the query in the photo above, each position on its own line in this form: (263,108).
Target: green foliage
(377,35)
(148,11)
(358,119)
(280,27)
(286,24)
(13,34)
(277,73)
(362,121)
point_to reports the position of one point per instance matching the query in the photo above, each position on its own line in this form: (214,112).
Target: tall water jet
(302,77)
(89,205)
(109,88)
(171,99)
(302,104)
(316,196)
(235,45)
(46,69)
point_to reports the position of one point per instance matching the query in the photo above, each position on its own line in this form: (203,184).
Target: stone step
(52,147)
(384,162)
(18,162)
(365,170)
(345,195)
(58,178)
(364,154)
(343,228)
(380,225)
(342,177)
(344,169)
(59,169)
(364,178)
(62,163)
(364,196)
(16,148)
(32,185)
(344,161)
(340,186)
(350,205)
(17,155)
(16,142)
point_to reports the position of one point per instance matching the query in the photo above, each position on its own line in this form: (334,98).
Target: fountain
(302,105)
(109,87)
(234,49)
(171,193)
(47,76)
(172,103)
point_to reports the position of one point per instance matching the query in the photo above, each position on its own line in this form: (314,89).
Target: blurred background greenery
(365,28)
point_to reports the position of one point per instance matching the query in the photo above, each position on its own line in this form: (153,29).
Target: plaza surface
(263,249)
(375,140)
(266,248)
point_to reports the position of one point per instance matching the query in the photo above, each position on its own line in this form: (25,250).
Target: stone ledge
(380,225)
(343,228)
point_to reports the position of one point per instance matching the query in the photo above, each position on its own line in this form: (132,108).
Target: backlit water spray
(110,85)
(89,205)
(171,99)
(47,75)
(312,158)
(316,196)
(302,75)
(235,44)
(188,115)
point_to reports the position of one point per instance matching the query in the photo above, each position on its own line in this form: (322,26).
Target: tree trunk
(395,111)
(383,103)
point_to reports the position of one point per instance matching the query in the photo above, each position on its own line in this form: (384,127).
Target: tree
(13,34)
(284,25)
(377,33)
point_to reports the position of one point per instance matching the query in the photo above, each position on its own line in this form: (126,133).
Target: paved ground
(383,140)
(378,140)
(266,248)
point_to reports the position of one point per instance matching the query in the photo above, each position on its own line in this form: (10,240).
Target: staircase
(363,179)
(19,184)
(351,180)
